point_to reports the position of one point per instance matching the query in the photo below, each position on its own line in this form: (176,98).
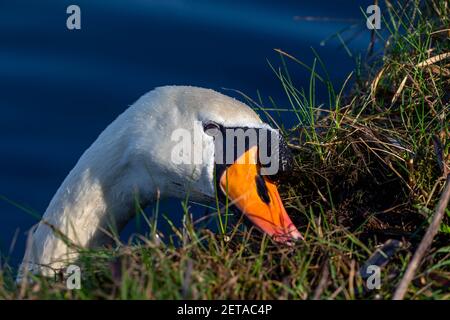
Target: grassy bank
(370,168)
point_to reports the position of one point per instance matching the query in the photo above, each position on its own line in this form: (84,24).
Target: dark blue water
(60,88)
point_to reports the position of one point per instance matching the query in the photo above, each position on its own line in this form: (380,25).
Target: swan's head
(209,145)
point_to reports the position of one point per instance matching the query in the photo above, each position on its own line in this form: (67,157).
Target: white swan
(131,160)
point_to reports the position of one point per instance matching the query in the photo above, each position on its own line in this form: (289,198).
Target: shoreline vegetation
(369,188)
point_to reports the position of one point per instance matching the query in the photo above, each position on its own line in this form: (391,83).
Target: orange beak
(257,198)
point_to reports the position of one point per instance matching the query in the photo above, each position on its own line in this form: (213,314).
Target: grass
(369,170)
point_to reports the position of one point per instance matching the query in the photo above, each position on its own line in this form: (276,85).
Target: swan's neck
(94,202)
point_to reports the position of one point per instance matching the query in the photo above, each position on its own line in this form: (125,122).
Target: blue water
(59,88)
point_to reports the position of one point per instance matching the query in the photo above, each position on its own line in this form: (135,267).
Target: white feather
(130,159)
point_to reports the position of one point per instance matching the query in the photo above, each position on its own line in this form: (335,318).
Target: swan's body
(129,162)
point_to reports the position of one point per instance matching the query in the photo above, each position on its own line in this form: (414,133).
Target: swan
(135,157)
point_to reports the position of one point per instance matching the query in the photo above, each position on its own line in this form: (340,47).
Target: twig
(433,60)
(440,31)
(439,150)
(425,243)
(323,281)
(427,62)
(374,85)
(372,37)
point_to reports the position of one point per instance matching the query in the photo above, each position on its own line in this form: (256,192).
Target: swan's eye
(211,128)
